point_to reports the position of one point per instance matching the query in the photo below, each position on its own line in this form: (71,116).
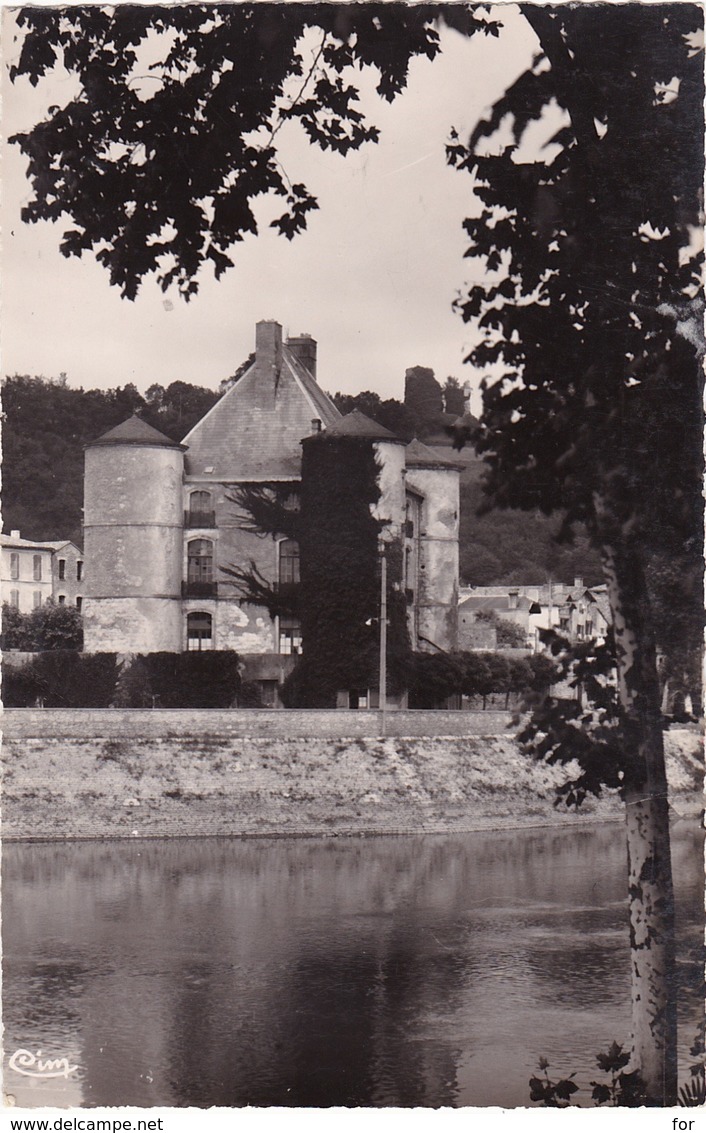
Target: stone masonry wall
(84,723)
(86,779)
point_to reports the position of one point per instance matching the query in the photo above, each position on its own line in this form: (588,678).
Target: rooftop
(135,431)
(356,424)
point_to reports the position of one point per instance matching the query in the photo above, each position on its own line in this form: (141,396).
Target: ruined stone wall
(437,595)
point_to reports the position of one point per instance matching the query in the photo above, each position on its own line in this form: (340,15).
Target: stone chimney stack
(268,344)
(303,347)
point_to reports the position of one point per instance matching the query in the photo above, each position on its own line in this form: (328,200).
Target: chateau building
(160,524)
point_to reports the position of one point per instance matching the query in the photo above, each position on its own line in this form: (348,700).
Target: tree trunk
(650,893)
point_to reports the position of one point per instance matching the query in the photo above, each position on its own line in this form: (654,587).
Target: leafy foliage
(555,1095)
(622,1088)
(48,627)
(229,76)
(509,635)
(62,679)
(588,729)
(47,425)
(433,677)
(209,679)
(588,252)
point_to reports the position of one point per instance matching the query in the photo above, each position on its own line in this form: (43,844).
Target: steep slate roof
(356,424)
(421,456)
(135,431)
(253,434)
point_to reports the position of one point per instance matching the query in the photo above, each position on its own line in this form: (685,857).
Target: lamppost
(383,637)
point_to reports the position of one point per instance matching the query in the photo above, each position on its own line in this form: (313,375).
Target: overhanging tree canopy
(159,162)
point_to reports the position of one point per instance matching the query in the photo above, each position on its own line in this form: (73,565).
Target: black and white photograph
(352,562)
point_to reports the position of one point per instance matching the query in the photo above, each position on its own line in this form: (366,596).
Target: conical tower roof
(135,431)
(356,424)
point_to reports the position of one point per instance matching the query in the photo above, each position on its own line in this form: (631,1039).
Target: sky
(372,279)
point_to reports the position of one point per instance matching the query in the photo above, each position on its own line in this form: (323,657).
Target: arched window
(288,562)
(199,631)
(200,561)
(201,513)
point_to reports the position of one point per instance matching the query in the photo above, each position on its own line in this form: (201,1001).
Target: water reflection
(419,971)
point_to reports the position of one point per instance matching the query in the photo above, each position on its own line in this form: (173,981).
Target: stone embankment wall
(144,723)
(115,774)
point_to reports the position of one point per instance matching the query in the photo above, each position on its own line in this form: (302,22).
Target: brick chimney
(303,347)
(268,343)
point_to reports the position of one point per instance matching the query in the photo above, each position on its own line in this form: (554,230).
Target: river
(398,971)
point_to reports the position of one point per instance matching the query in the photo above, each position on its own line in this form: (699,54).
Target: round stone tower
(133,532)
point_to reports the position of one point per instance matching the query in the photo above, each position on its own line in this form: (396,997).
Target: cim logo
(32,1065)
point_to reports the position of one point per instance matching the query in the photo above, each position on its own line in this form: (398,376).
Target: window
(79,570)
(37,598)
(79,601)
(288,562)
(200,513)
(14,565)
(62,599)
(200,560)
(199,631)
(15,599)
(62,569)
(563,623)
(290,636)
(589,628)
(37,568)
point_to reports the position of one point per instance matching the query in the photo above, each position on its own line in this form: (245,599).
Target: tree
(108,156)
(593,317)
(454,397)
(52,627)
(509,635)
(47,628)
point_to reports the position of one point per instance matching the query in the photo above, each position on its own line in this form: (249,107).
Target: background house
(576,611)
(34,572)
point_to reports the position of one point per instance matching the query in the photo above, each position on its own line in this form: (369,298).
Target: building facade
(34,572)
(575,611)
(161,524)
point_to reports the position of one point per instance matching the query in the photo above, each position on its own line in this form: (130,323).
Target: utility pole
(383,640)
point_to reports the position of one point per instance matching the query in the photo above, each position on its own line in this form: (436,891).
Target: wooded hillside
(47,424)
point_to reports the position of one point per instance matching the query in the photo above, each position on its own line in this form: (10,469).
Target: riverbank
(71,782)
